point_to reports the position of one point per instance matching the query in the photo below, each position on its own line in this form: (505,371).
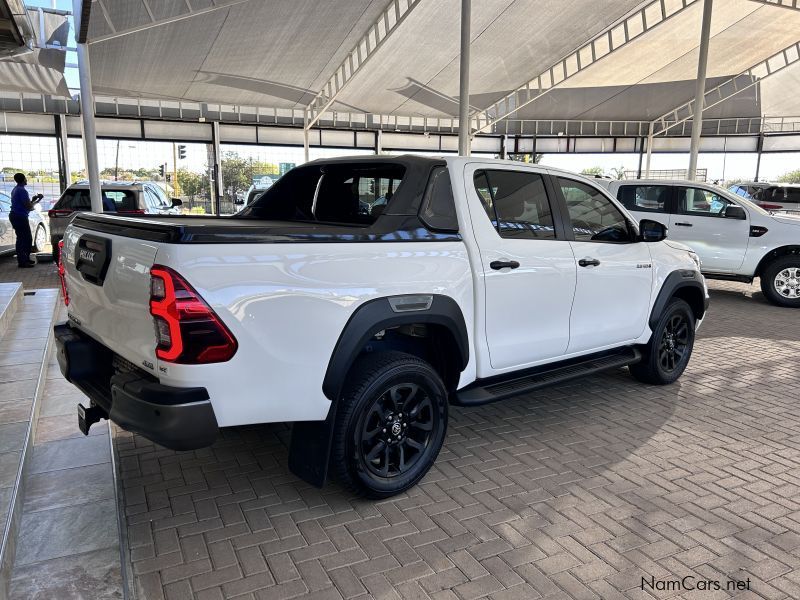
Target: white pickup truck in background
(734,238)
(359,297)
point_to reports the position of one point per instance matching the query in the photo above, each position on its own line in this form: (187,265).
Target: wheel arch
(443,318)
(684,284)
(779,252)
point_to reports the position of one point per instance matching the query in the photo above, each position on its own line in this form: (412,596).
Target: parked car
(124,198)
(770,196)
(480,280)
(255,190)
(8,239)
(734,238)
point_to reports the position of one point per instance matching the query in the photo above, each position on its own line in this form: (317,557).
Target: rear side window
(516,203)
(783,194)
(346,194)
(438,209)
(645,198)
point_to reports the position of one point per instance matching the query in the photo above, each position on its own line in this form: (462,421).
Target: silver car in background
(123,197)
(7,238)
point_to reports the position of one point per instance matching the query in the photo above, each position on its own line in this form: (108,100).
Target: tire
(780,281)
(39,238)
(378,450)
(665,357)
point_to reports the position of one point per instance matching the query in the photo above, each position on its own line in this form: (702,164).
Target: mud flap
(310,448)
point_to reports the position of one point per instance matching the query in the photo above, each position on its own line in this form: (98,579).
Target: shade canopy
(280,54)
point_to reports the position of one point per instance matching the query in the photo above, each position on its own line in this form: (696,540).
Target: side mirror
(652,231)
(733,211)
(176,202)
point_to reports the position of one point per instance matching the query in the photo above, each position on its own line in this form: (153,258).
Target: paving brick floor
(579,491)
(43,275)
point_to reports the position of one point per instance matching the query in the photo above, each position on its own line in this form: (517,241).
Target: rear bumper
(177,418)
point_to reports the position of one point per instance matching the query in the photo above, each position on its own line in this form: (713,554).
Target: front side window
(702,203)
(594,217)
(645,198)
(5,203)
(516,202)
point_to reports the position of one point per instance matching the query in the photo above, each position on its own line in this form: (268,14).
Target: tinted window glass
(75,200)
(594,217)
(516,202)
(348,194)
(121,199)
(696,201)
(438,209)
(645,198)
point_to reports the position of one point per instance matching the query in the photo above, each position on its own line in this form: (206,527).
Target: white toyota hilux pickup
(358,297)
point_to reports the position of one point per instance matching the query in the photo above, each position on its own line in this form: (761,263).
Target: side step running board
(491,390)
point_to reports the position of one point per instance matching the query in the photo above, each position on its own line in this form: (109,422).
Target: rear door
(527,267)
(699,221)
(614,272)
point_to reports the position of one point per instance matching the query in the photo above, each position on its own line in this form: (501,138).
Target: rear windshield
(782,194)
(113,200)
(350,194)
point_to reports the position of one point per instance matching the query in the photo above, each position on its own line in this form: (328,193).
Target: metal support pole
(464,137)
(641,158)
(62,153)
(759,149)
(218,183)
(649,151)
(87,128)
(504,147)
(700,89)
(305,136)
(378,141)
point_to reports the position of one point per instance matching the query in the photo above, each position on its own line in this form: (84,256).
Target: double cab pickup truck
(358,298)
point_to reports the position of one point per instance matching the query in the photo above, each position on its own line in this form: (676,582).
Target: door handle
(503,264)
(683,224)
(589,262)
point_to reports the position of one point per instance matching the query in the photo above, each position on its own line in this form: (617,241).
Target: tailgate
(108,282)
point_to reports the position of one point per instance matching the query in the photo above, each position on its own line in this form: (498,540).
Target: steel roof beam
(730,87)
(117,33)
(602,45)
(790,4)
(387,23)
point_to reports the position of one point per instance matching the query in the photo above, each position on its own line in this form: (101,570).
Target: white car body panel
(287,303)
(723,245)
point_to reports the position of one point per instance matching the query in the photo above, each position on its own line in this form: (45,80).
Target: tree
(618,172)
(592,171)
(238,172)
(790,177)
(191,184)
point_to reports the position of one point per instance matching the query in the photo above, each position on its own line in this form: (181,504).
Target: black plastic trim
(676,280)
(376,315)
(177,418)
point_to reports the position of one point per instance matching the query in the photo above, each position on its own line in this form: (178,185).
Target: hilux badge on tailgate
(87,255)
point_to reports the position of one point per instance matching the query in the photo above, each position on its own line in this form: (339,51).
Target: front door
(528,269)
(699,222)
(614,272)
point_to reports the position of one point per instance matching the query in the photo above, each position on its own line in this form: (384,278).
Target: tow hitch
(89,416)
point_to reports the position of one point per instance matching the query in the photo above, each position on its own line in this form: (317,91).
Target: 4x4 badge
(644,266)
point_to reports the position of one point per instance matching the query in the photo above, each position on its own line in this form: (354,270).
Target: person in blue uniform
(21,205)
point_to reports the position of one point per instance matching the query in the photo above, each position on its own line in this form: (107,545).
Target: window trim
(559,232)
(633,228)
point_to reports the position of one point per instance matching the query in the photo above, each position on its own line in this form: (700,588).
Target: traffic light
(161,170)
(181,151)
